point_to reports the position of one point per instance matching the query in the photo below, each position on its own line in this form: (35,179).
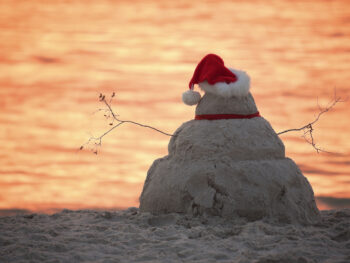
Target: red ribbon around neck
(226,116)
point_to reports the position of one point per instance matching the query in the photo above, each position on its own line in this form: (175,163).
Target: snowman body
(230,168)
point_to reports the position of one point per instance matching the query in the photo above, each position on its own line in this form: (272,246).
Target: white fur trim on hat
(191,97)
(239,88)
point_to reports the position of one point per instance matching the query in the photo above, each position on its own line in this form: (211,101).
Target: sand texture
(212,104)
(131,236)
(230,168)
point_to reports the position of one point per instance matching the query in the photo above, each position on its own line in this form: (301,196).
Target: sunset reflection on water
(58,56)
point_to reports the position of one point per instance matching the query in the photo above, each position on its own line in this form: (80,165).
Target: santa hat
(212,76)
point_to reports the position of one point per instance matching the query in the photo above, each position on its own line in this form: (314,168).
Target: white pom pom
(191,97)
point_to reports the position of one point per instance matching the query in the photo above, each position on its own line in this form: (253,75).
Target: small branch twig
(97,141)
(133,122)
(308,128)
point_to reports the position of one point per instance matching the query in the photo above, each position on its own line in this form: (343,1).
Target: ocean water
(58,56)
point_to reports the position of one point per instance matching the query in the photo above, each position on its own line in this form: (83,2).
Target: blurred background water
(58,56)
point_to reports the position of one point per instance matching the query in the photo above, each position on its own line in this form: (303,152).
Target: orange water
(57,56)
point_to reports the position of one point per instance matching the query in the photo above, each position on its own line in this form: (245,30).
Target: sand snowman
(228,161)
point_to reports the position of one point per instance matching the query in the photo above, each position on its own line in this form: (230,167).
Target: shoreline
(324,203)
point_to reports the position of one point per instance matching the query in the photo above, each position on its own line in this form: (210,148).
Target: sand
(131,236)
(228,168)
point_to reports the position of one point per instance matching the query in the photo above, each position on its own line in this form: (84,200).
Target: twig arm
(97,141)
(308,128)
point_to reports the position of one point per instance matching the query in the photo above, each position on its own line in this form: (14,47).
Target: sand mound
(131,236)
(230,168)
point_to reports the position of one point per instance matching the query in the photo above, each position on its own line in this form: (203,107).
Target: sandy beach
(131,236)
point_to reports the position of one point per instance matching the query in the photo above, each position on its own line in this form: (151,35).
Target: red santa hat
(212,76)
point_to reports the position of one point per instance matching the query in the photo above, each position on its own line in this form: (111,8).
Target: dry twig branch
(308,128)
(109,113)
(97,141)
